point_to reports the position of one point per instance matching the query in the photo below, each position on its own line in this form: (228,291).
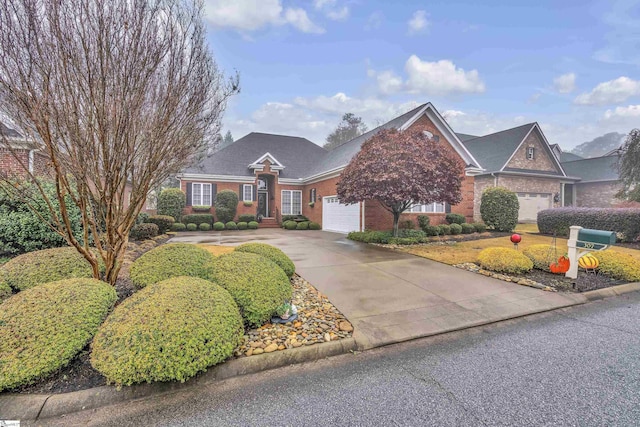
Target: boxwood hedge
(171,260)
(43,328)
(625,222)
(168,331)
(272,253)
(257,284)
(252,225)
(540,256)
(48,265)
(504,260)
(618,265)
(5,291)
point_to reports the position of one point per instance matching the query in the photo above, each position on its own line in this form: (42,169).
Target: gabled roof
(594,169)
(465,136)
(569,157)
(493,151)
(297,155)
(8,132)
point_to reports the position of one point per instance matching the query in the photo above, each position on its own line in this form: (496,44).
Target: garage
(339,217)
(530,204)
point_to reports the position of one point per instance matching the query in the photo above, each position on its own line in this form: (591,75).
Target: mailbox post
(582,241)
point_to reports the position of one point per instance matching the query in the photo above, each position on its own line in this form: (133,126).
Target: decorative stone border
(474,268)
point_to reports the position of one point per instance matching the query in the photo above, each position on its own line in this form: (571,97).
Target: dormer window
(531,153)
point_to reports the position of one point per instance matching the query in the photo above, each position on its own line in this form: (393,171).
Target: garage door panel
(531,204)
(339,217)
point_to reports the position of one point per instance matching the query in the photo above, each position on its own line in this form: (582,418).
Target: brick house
(18,153)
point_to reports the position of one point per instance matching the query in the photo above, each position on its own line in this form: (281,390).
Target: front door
(263,209)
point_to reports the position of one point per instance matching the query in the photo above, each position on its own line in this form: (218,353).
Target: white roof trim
(221,178)
(275,164)
(545,142)
(432,114)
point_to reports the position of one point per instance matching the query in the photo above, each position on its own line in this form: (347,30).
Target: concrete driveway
(391,296)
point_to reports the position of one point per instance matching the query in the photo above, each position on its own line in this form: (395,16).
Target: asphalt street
(575,366)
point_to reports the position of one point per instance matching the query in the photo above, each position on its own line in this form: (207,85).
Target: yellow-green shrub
(168,331)
(618,265)
(272,253)
(539,255)
(257,284)
(504,260)
(43,328)
(5,291)
(172,260)
(35,268)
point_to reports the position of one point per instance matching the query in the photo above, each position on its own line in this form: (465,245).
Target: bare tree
(119,94)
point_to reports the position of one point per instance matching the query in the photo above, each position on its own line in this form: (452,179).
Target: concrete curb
(611,292)
(40,406)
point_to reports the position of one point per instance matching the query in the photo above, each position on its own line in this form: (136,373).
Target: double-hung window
(200,194)
(291,202)
(429,208)
(247,193)
(531,153)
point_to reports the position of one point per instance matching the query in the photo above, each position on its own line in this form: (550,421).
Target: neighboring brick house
(18,153)
(283,175)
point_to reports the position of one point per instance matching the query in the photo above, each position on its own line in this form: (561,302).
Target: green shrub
(272,253)
(403,241)
(5,290)
(314,226)
(444,229)
(218,226)
(178,226)
(406,224)
(242,225)
(618,265)
(454,218)
(467,228)
(142,218)
(257,284)
(412,234)
(42,329)
(226,205)
(455,228)
(246,218)
(539,255)
(290,225)
(198,219)
(431,230)
(204,227)
(163,222)
(423,222)
(231,226)
(144,231)
(286,218)
(48,265)
(171,260)
(253,225)
(499,208)
(504,260)
(624,221)
(171,202)
(480,227)
(167,332)
(370,236)
(191,227)
(304,225)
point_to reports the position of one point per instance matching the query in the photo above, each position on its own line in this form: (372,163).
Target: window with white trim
(531,153)
(429,208)
(291,202)
(200,194)
(247,192)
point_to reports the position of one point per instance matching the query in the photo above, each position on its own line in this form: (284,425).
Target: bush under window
(198,219)
(231,226)
(204,227)
(218,226)
(314,226)
(192,227)
(226,205)
(242,225)
(454,218)
(304,225)
(246,218)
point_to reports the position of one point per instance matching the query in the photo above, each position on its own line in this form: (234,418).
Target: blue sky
(573,66)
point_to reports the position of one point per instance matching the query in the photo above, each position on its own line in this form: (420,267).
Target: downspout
(495,179)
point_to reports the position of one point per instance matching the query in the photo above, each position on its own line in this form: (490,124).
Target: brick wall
(541,160)
(323,189)
(10,165)
(597,194)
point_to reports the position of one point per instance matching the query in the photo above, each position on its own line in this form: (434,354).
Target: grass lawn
(468,251)
(527,228)
(217,250)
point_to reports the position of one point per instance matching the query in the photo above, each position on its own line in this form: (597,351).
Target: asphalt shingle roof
(494,150)
(569,157)
(594,169)
(465,136)
(8,132)
(297,155)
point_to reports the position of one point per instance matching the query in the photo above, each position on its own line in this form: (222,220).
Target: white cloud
(418,22)
(630,111)
(374,21)
(252,15)
(565,83)
(331,9)
(387,82)
(611,92)
(440,78)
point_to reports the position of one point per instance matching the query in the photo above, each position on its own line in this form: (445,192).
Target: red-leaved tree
(400,169)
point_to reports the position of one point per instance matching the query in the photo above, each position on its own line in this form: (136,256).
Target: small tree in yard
(629,167)
(400,169)
(118,94)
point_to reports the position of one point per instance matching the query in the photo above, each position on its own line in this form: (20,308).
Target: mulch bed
(585,281)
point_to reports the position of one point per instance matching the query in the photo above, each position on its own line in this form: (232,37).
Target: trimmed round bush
(231,226)
(204,227)
(480,227)
(455,228)
(504,260)
(618,265)
(218,226)
(257,284)
(171,260)
(499,208)
(192,227)
(304,225)
(198,219)
(42,329)
(467,228)
(290,225)
(35,268)
(272,253)
(5,291)
(143,231)
(252,225)
(163,222)
(178,226)
(246,218)
(167,332)
(539,255)
(171,202)
(444,229)
(431,230)
(314,226)
(454,218)
(226,205)
(242,225)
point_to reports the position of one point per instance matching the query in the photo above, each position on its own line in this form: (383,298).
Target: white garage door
(338,217)
(530,204)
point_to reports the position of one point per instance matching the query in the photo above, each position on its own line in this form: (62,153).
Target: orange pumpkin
(561,266)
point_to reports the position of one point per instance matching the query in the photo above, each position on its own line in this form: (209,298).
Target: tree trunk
(396,220)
